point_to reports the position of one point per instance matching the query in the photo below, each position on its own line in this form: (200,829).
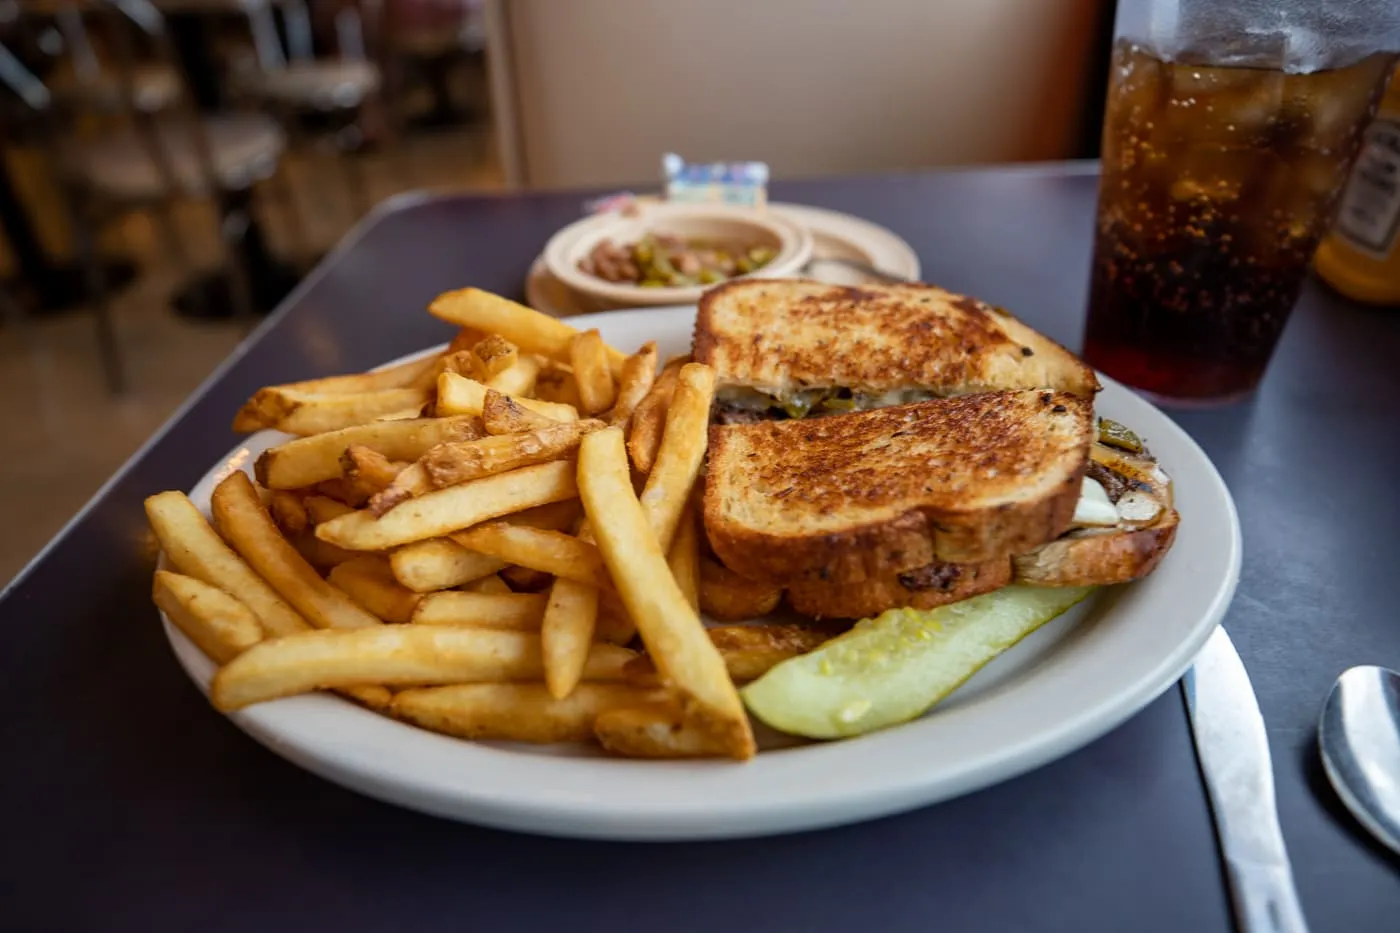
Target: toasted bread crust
(866,495)
(1099,560)
(923,588)
(783,335)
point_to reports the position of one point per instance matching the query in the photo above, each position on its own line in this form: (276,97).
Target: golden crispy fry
(551,552)
(242,520)
(452,509)
(654,730)
(218,624)
(518,379)
(288,511)
(570,621)
(681,454)
(589,358)
(410,482)
(517,612)
(463,363)
(307,461)
(450,464)
(749,651)
(494,355)
(370,582)
(649,420)
(491,585)
(528,329)
(684,557)
(439,564)
(460,396)
(525,580)
(728,597)
(348,492)
(513,712)
(318,553)
(267,406)
(669,627)
(299,412)
(638,375)
(555,383)
(369,468)
(323,508)
(195,550)
(371,696)
(465,339)
(391,655)
(500,414)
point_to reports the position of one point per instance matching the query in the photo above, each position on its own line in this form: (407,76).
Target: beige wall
(597,90)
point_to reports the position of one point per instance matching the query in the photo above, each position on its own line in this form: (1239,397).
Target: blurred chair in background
(430,39)
(148,157)
(593,92)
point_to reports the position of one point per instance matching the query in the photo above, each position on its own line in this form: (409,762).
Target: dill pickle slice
(892,668)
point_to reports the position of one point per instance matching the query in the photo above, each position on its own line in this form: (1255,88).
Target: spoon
(1358,736)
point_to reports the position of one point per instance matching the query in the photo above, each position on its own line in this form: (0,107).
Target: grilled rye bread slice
(793,344)
(926,587)
(850,497)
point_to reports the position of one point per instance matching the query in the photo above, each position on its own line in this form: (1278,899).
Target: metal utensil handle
(1265,900)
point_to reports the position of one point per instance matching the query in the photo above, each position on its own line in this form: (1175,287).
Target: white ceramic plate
(834,236)
(1067,684)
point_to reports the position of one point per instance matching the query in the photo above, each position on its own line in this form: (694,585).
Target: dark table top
(126,802)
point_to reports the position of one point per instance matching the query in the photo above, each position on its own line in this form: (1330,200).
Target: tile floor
(74,434)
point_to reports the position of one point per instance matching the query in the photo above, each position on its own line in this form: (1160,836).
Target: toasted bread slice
(922,588)
(851,497)
(1091,557)
(794,341)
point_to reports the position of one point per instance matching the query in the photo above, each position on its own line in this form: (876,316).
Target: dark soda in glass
(1218,183)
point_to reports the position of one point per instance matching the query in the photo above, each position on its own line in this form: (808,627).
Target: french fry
(347,492)
(501,414)
(494,355)
(196,550)
(555,383)
(670,629)
(391,655)
(288,511)
(458,395)
(371,696)
(681,454)
(369,582)
(266,406)
(297,411)
(649,420)
(218,624)
(491,585)
(463,363)
(653,730)
(638,375)
(323,508)
(369,468)
(307,461)
(684,558)
(245,524)
(728,597)
(569,624)
(465,339)
(518,379)
(450,464)
(517,612)
(442,511)
(318,553)
(551,552)
(749,651)
(589,357)
(439,564)
(513,712)
(525,580)
(528,329)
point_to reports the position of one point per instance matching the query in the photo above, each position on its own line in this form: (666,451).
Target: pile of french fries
(476,542)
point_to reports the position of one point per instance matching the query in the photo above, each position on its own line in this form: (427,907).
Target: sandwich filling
(746,405)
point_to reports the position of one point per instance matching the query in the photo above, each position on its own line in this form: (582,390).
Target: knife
(1233,751)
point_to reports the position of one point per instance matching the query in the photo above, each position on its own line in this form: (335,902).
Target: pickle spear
(892,668)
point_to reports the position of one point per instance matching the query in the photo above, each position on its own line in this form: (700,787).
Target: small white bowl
(746,225)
